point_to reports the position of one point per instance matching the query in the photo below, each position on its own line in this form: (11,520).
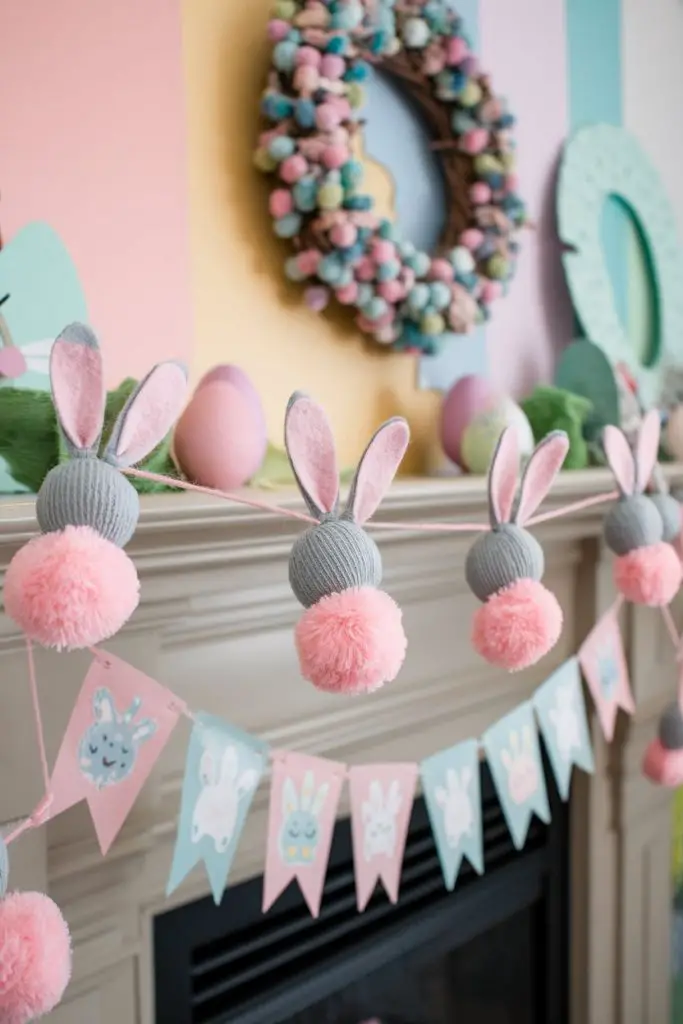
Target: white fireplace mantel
(215,624)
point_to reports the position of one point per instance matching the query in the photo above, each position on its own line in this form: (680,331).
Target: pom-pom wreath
(71,589)
(517,626)
(649,575)
(352,642)
(665,767)
(321,54)
(35,956)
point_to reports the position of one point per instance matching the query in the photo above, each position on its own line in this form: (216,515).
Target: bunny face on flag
(300,813)
(379,819)
(520,763)
(224,783)
(454,800)
(110,745)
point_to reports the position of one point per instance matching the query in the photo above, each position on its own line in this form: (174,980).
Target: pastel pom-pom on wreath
(322,55)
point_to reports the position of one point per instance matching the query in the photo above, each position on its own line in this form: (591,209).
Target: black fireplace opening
(493,951)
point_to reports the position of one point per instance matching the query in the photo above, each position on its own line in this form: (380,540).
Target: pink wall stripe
(93,141)
(524,45)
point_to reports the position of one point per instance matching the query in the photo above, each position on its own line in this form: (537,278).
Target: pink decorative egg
(469,396)
(220,440)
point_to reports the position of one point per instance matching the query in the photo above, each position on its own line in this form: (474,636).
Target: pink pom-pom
(352,642)
(71,589)
(366,269)
(308,260)
(281,202)
(480,193)
(307,55)
(333,66)
(383,251)
(663,766)
(327,117)
(343,108)
(456,50)
(490,291)
(316,298)
(517,626)
(335,156)
(474,141)
(433,60)
(472,238)
(347,293)
(293,168)
(35,956)
(392,291)
(441,270)
(278,30)
(511,183)
(649,576)
(343,235)
(306,79)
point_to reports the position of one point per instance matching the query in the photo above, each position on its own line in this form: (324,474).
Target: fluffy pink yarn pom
(70,589)
(650,575)
(517,626)
(35,956)
(352,642)
(663,766)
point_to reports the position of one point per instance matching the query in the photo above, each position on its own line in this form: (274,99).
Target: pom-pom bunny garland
(663,761)
(647,570)
(350,639)
(74,586)
(520,619)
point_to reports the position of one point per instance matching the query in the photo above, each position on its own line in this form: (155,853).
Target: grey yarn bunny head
(635,521)
(337,553)
(89,489)
(666,504)
(670,728)
(508,552)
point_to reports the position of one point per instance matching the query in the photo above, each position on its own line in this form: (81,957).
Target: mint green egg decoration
(40,293)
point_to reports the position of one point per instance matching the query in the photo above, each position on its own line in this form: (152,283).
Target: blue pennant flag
(450,782)
(222,772)
(561,711)
(514,758)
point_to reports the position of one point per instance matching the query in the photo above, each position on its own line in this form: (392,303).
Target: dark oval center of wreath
(321,57)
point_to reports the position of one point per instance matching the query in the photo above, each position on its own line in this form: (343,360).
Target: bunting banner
(223,770)
(561,713)
(381,804)
(605,670)
(304,795)
(514,758)
(119,726)
(451,787)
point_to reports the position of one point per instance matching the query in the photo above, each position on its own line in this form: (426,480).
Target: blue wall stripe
(595,95)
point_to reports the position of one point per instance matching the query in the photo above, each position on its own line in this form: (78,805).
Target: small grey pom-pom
(670,728)
(331,557)
(500,557)
(669,509)
(89,492)
(632,523)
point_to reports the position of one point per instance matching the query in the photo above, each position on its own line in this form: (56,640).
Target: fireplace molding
(215,625)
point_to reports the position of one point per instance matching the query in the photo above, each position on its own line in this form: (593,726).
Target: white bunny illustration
(215,812)
(454,800)
(379,819)
(521,766)
(565,721)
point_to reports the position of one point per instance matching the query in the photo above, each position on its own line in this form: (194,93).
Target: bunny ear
(647,448)
(310,448)
(377,468)
(78,387)
(620,459)
(103,706)
(229,764)
(503,477)
(148,415)
(290,797)
(542,468)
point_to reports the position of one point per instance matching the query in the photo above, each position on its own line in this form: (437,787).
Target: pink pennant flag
(381,804)
(304,796)
(604,667)
(120,723)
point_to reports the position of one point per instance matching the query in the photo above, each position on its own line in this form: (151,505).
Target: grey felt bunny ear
(148,415)
(77,384)
(377,468)
(311,452)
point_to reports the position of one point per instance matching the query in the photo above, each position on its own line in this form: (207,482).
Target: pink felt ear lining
(503,476)
(620,458)
(310,446)
(151,414)
(541,470)
(647,448)
(378,468)
(78,391)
